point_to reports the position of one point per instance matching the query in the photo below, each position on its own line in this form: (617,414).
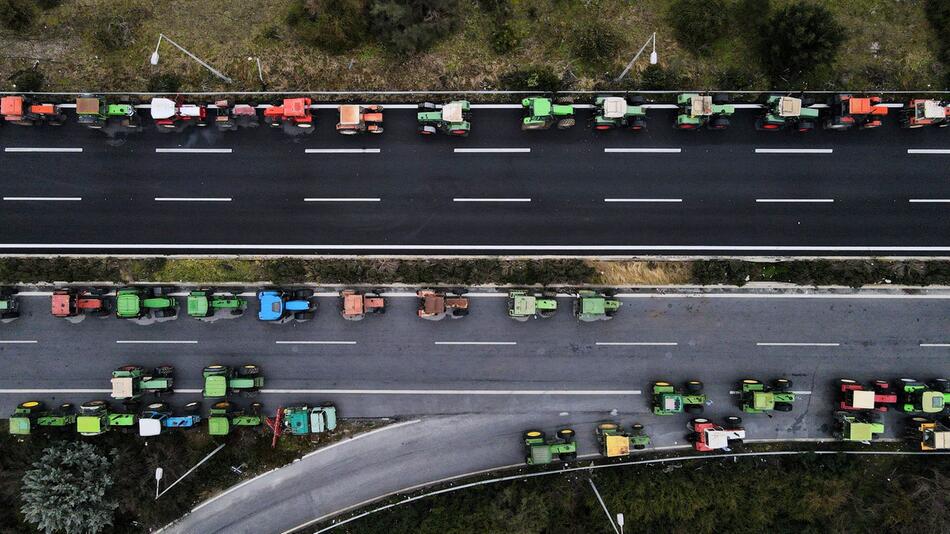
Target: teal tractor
(9,305)
(132,381)
(524,305)
(206,303)
(540,113)
(225,415)
(617,112)
(786,112)
(540,450)
(758,397)
(916,397)
(451,119)
(34,414)
(594,306)
(220,380)
(302,419)
(698,110)
(669,400)
(158,416)
(616,442)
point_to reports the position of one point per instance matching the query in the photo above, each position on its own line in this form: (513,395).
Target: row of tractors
(132,384)
(857,417)
(296,115)
(281,305)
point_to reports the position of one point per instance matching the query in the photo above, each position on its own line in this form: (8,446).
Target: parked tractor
(707,436)
(451,119)
(862,427)
(96,417)
(922,112)
(787,113)
(854,396)
(138,302)
(355,305)
(540,450)
(9,305)
(224,415)
(206,303)
(540,113)
(20,111)
(95,112)
(617,112)
(616,442)
(278,305)
(131,381)
(668,400)
(70,302)
(592,306)
(33,414)
(301,420)
(220,380)
(355,119)
(524,305)
(928,434)
(437,305)
(293,115)
(757,397)
(698,110)
(172,116)
(915,396)
(849,111)
(159,415)
(229,118)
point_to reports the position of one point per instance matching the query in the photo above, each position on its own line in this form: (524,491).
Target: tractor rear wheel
(303,294)
(721,98)
(249,370)
(694,386)
(533,434)
(157,406)
(941,384)
(719,123)
(733,421)
(66,408)
(638,124)
(566,123)
(920,419)
(567,456)
(783,406)
(31,406)
(637,100)
(193,407)
(428,106)
(566,434)
(426,129)
(564,100)
(806,126)
(304,316)
(693,409)
(782,384)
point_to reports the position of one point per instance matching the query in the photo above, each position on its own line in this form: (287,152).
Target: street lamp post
(154,58)
(654,58)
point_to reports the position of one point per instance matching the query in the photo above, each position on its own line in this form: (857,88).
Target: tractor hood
(197,305)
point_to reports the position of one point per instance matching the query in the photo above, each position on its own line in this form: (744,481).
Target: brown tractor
(18,110)
(356,119)
(436,305)
(357,305)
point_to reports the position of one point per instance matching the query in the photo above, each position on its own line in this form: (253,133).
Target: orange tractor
(921,112)
(74,302)
(293,114)
(357,305)
(19,110)
(849,111)
(436,305)
(356,119)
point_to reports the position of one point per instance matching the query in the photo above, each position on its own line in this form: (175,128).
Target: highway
(739,192)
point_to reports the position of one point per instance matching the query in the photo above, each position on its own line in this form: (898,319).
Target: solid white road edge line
(929,200)
(928,151)
(794,151)
(342,151)
(19,342)
(56,199)
(551,248)
(20,149)
(643,150)
(193,150)
(490,150)
(934,345)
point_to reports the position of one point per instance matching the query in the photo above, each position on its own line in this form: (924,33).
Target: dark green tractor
(541,113)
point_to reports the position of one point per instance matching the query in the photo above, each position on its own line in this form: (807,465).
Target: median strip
(342,151)
(794,151)
(20,149)
(193,150)
(40,199)
(491,150)
(643,150)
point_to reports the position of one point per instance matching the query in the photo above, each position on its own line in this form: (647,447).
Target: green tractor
(916,397)
(540,450)
(758,397)
(697,110)
(451,119)
(138,302)
(594,306)
(9,305)
(219,380)
(30,414)
(302,420)
(205,303)
(786,112)
(131,381)
(94,112)
(861,427)
(668,400)
(616,112)
(95,418)
(224,415)
(524,305)
(540,113)
(615,441)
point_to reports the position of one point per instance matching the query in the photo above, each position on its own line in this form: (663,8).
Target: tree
(333,25)
(596,44)
(410,26)
(67,490)
(798,39)
(17,15)
(698,24)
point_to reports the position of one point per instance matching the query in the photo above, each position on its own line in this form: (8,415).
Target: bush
(938,14)
(698,24)
(333,25)
(115,30)
(596,45)
(164,83)
(498,8)
(504,39)
(657,78)
(798,39)
(17,15)
(536,78)
(48,4)
(410,26)
(29,80)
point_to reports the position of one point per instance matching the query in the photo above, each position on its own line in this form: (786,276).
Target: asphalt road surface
(574,192)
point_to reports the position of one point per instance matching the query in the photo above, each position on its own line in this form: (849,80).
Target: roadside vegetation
(476,44)
(806,493)
(65,483)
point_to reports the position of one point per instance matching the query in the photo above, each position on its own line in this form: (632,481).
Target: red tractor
(854,396)
(72,302)
(293,114)
(849,111)
(228,117)
(707,436)
(19,110)
(921,112)
(173,116)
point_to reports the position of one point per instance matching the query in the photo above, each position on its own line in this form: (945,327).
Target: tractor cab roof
(932,402)
(11,105)
(216,386)
(789,106)
(718,438)
(87,106)
(541,454)
(860,431)
(433,304)
(615,107)
(349,115)
(162,108)
(933,110)
(762,400)
(122,388)
(700,106)
(671,402)
(541,107)
(863,399)
(272,306)
(940,438)
(863,106)
(353,304)
(297,419)
(127,303)
(149,426)
(61,304)
(218,426)
(524,305)
(616,445)
(197,304)
(89,424)
(295,107)
(20,425)
(452,112)
(593,305)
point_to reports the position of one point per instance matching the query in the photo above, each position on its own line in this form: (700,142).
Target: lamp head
(154,58)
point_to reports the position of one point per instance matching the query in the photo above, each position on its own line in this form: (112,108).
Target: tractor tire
(165,370)
(637,100)
(696,421)
(693,409)
(694,386)
(806,126)
(165,312)
(426,129)
(567,456)
(843,381)
(66,408)
(566,123)
(9,315)
(639,446)
(303,294)
(636,426)
(255,408)
(6,292)
(428,106)
(638,124)
(32,406)
(533,434)
(721,98)
(213,368)
(304,316)
(564,100)
(459,313)
(733,421)
(249,370)
(940,384)
(782,384)
(718,123)
(157,406)
(192,407)
(567,434)
(223,405)
(94,404)
(607,426)
(783,406)
(919,420)
(750,381)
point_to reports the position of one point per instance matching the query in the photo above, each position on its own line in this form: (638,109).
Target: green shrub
(409,26)
(504,39)
(534,78)
(657,78)
(333,25)
(799,39)
(17,15)
(498,8)
(164,83)
(698,24)
(938,14)
(48,4)
(115,30)
(29,80)
(595,44)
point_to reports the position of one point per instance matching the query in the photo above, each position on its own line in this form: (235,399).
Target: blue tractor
(158,416)
(278,305)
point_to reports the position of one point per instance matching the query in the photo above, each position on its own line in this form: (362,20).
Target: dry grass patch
(652,273)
